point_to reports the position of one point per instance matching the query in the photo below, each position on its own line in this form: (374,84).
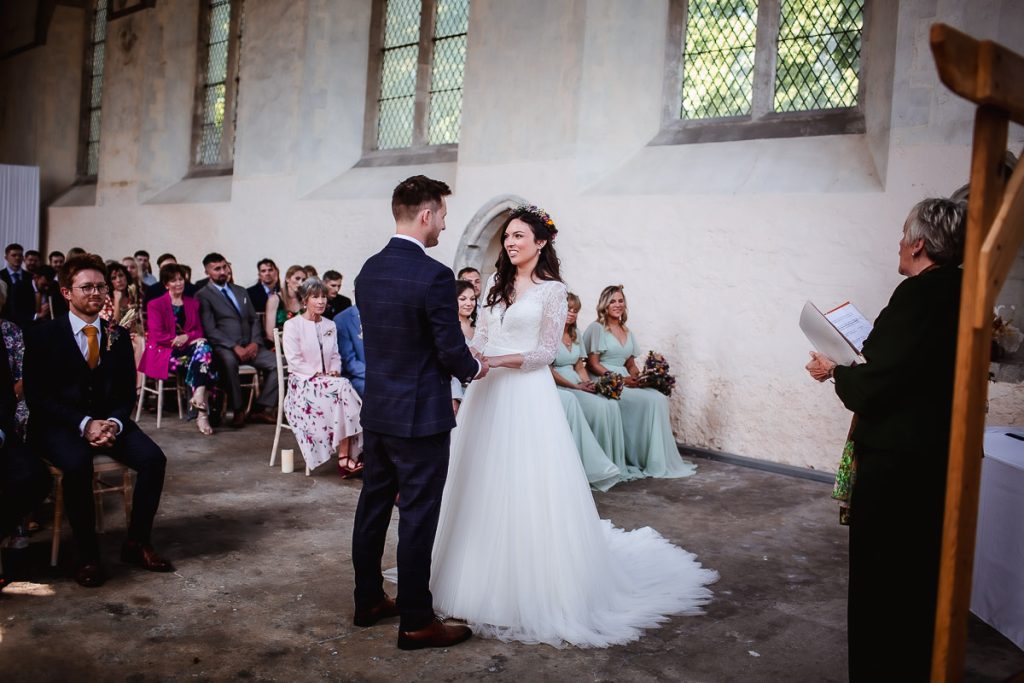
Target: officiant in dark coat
(903,398)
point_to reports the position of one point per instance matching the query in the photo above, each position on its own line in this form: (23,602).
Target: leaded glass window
(752,59)
(92,96)
(216,96)
(414,112)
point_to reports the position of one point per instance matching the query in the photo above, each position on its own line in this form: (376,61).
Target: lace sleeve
(552,325)
(479,341)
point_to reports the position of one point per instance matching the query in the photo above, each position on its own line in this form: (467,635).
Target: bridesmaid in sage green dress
(601,414)
(611,347)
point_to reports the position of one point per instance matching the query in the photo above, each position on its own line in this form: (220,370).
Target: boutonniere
(114,328)
(329,332)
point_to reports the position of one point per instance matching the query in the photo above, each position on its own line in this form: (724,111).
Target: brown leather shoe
(262,417)
(385,609)
(143,555)
(237,420)
(90,575)
(437,634)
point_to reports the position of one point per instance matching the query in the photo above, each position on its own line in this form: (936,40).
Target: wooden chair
(161,387)
(101,464)
(253,385)
(282,374)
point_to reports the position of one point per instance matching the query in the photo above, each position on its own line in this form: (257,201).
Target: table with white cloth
(997,596)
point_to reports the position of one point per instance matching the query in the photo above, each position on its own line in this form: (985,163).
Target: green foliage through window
(817,63)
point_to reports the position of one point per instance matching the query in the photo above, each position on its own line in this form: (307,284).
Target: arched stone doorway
(480,242)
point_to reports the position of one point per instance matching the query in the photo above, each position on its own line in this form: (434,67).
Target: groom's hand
(484,367)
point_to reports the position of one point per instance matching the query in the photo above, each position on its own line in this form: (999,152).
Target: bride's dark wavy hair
(548,266)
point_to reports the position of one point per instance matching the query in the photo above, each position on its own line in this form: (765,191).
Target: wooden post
(993,77)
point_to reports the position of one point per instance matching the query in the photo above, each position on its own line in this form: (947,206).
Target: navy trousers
(415,469)
(24,482)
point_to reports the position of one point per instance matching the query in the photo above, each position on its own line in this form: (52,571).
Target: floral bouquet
(610,385)
(655,374)
(114,328)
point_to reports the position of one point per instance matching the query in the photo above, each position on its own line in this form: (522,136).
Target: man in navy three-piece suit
(414,346)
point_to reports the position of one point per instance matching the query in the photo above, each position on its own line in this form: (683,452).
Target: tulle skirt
(521,553)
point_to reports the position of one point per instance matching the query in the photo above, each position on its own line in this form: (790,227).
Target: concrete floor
(264,582)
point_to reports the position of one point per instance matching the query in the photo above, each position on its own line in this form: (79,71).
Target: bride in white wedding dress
(520,552)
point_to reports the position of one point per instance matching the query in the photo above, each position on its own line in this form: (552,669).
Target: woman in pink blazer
(175,343)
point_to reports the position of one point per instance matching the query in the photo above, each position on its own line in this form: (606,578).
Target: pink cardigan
(303,342)
(160,333)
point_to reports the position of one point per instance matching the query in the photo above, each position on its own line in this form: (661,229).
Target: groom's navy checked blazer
(413,342)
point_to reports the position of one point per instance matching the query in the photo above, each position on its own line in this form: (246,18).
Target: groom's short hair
(412,193)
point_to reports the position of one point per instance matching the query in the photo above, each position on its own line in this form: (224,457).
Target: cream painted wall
(718,245)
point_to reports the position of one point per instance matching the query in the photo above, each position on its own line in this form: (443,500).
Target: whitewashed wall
(718,244)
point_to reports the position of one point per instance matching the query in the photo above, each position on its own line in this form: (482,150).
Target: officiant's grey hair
(311,286)
(941,223)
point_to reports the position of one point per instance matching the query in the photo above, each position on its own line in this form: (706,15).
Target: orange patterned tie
(93,355)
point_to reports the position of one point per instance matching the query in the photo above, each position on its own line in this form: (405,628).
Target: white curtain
(19,206)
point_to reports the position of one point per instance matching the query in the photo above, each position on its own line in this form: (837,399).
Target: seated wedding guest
(76,251)
(350,347)
(157,289)
(321,405)
(80,409)
(231,327)
(175,343)
(902,398)
(310,271)
(466,296)
(187,272)
(20,308)
(472,276)
(284,305)
(121,296)
(24,480)
(56,259)
(336,301)
(145,270)
(44,286)
(14,347)
(266,284)
(611,347)
(33,259)
(601,416)
(467,300)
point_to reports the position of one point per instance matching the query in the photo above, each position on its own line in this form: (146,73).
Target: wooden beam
(979,70)
(999,250)
(969,395)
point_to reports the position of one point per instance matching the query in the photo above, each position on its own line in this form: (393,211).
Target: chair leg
(142,398)
(178,391)
(128,487)
(159,401)
(58,518)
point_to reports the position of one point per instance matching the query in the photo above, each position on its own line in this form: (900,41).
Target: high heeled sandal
(202,417)
(351,469)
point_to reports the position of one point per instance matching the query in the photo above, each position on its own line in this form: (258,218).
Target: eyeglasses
(92,289)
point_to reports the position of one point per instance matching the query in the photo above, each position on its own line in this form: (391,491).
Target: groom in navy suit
(414,346)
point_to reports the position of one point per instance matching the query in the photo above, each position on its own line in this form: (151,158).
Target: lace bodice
(531,326)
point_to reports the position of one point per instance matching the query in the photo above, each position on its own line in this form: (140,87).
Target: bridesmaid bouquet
(655,374)
(610,385)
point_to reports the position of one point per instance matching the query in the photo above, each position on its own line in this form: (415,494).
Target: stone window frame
(86,108)
(420,152)
(762,122)
(226,164)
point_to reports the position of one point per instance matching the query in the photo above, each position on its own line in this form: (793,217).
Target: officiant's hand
(821,366)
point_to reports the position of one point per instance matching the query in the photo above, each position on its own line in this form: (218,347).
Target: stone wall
(718,244)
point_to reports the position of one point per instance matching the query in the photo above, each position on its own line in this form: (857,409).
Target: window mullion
(765,55)
(421,106)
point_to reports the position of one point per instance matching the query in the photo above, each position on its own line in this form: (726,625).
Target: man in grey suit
(234,332)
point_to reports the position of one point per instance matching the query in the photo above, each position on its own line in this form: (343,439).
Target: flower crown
(538,213)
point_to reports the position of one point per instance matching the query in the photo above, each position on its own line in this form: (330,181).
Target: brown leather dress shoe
(237,420)
(143,555)
(90,575)
(385,609)
(437,634)
(262,417)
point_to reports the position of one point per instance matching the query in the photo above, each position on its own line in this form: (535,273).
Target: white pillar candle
(287,461)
